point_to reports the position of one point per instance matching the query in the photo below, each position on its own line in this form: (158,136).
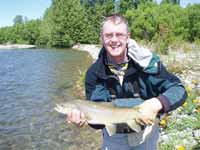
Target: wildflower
(163,123)
(195,82)
(180,147)
(188,88)
(189,94)
(197,109)
(195,101)
(185,104)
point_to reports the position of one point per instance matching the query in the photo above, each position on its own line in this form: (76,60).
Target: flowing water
(31,83)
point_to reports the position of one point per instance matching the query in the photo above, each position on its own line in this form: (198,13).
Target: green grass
(181,123)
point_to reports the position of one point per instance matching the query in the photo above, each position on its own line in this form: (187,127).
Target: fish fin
(111,129)
(134,125)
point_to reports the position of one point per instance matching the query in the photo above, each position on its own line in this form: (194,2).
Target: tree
(79,21)
(18,20)
(131,4)
(45,28)
(142,21)
(96,13)
(68,24)
(171,2)
(193,12)
(31,31)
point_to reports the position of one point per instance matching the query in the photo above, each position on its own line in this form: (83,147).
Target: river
(31,83)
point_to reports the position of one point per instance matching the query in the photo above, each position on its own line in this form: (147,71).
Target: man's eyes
(118,35)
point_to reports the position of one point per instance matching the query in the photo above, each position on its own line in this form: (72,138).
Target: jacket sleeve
(172,93)
(95,89)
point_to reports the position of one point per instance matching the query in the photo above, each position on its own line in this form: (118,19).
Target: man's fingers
(82,119)
(82,123)
(76,116)
(150,122)
(139,121)
(144,120)
(69,117)
(82,116)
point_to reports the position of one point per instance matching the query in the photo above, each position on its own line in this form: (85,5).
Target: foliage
(164,24)
(171,2)
(142,21)
(68,24)
(45,29)
(182,123)
(24,33)
(95,14)
(18,20)
(79,21)
(193,13)
(129,4)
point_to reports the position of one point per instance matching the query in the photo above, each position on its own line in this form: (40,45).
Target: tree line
(78,21)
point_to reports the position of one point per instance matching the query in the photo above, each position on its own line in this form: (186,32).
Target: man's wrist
(157,104)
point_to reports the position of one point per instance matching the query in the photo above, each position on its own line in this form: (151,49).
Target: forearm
(170,90)
(172,98)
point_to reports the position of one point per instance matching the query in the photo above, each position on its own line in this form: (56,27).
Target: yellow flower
(195,101)
(185,104)
(163,123)
(195,82)
(188,88)
(189,94)
(198,110)
(180,147)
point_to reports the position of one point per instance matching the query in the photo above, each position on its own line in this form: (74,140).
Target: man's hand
(148,111)
(77,117)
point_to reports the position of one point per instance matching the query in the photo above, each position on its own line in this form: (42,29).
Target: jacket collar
(101,66)
(103,72)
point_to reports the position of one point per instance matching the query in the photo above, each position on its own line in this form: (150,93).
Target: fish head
(65,108)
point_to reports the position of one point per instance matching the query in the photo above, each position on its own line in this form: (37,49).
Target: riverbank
(16,46)
(92,49)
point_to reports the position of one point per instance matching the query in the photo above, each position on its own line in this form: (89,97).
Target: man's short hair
(115,19)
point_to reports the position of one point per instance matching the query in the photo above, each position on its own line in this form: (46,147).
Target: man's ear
(129,35)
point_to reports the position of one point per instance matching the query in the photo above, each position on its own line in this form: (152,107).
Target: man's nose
(114,38)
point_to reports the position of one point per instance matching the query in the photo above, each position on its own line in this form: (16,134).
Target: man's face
(114,38)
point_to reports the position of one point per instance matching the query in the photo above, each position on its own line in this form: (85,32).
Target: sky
(34,9)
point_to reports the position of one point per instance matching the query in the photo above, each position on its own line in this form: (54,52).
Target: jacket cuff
(98,126)
(165,103)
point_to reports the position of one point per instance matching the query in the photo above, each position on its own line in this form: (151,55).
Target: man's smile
(115,46)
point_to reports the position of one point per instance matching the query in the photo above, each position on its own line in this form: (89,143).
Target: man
(120,73)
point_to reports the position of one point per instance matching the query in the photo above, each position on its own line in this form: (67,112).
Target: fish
(103,113)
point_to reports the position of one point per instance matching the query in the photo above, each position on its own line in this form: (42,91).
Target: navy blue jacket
(102,85)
